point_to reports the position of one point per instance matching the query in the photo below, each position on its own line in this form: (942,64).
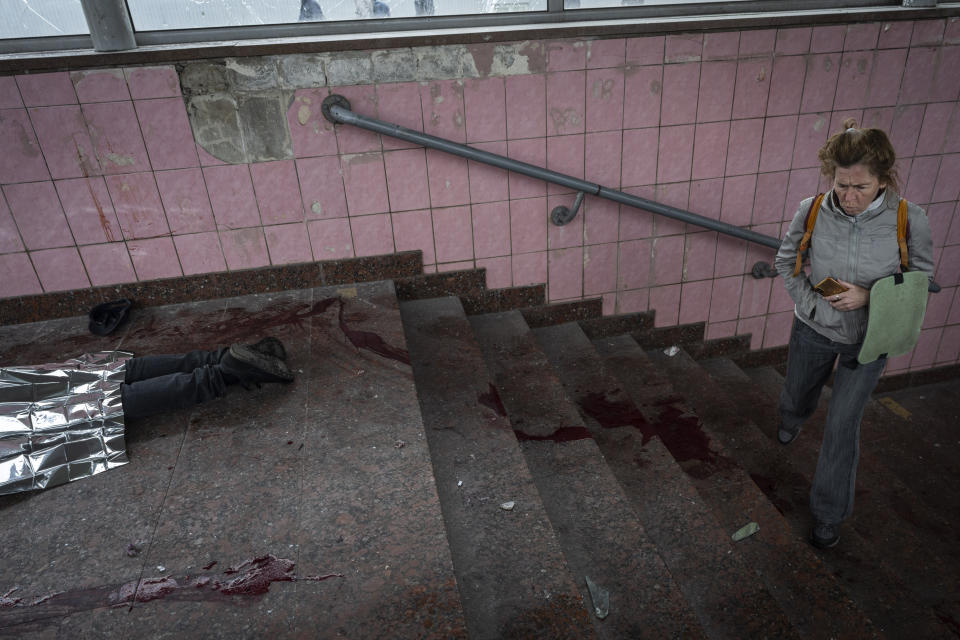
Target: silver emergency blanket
(61,422)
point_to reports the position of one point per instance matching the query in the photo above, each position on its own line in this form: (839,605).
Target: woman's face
(856,187)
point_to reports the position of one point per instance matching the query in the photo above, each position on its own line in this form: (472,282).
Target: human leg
(178,389)
(171,391)
(832,492)
(146,367)
(810,361)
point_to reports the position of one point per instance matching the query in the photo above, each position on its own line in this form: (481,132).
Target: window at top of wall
(41,18)
(599,4)
(160,15)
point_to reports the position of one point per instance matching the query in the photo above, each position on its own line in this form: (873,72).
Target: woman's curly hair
(869,147)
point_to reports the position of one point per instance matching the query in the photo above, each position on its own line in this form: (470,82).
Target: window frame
(556,21)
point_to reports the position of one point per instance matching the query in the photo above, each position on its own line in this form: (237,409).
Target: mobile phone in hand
(829,287)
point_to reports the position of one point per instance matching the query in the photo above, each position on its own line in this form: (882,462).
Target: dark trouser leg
(809,364)
(832,493)
(153,366)
(164,393)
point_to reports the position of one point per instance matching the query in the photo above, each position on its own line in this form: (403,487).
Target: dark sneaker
(270,346)
(247,366)
(824,535)
(786,436)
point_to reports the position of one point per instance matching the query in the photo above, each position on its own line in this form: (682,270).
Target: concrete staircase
(631,468)
(481,475)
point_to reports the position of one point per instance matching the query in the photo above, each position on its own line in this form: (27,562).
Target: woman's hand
(853,298)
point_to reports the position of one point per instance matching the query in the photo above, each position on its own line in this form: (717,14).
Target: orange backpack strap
(805,241)
(902,235)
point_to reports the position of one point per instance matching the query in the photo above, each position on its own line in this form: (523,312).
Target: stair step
(892,493)
(696,549)
(805,589)
(356,484)
(512,577)
(595,523)
(896,526)
(784,474)
(668,336)
(908,441)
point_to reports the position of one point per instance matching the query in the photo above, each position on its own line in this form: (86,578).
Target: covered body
(60,422)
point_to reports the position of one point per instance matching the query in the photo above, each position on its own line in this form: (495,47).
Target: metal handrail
(336,109)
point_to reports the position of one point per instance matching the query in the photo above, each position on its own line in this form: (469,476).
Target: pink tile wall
(565,274)
(21,278)
(372,235)
(64,141)
(9,93)
(331,239)
(185,200)
(245,248)
(498,270)
(288,243)
(100,85)
(166,133)
(365,183)
(566,107)
(413,230)
(443,111)
(37,213)
(605,53)
(200,253)
(725,124)
(321,187)
(22,160)
(402,101)
(484,109)
(152,82)
(89,210)
(310,132)
(115,132)
(138,205)
(60,269)
(354,139)
(107,264)
(9,234)
(45,89)
(487,183)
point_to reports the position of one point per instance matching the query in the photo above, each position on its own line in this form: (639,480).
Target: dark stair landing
(431,474)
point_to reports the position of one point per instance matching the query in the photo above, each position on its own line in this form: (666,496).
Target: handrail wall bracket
(562,215)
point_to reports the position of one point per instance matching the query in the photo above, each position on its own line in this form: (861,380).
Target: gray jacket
(860,249)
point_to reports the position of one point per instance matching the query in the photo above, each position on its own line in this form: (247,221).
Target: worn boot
(270,346)
(245,366)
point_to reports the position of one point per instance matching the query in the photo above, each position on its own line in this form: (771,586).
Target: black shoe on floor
(270,346)
(785,436)
(246,366)
(824,535)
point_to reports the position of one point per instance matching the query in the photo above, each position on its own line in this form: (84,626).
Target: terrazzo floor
(301,510)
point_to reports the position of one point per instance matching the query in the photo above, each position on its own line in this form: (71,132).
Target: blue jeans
(158,384)
(809,364)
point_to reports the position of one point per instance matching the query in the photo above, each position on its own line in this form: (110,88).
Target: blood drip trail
(256,580)
(249,579)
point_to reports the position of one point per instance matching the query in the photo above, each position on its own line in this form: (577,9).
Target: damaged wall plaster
(238,106)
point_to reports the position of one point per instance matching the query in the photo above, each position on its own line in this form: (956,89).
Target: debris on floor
(600,598)
(745,531)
